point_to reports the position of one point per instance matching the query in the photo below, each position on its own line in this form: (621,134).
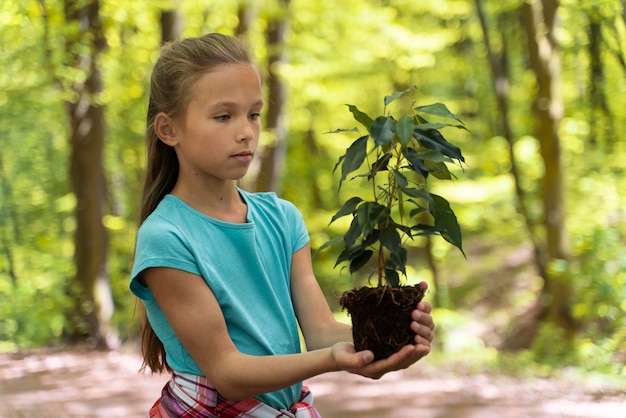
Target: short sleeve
(299,232)
(160,244)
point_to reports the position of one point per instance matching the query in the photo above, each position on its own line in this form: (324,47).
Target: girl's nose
(247,131)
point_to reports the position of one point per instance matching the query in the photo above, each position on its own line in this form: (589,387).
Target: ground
(80,383)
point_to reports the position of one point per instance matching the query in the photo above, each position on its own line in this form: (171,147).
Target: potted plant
(398,156)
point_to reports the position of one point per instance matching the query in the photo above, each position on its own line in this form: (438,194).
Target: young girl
(226,275)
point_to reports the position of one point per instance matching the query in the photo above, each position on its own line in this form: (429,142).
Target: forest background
(541,201)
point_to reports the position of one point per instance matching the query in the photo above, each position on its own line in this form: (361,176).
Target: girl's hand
(423,325)
(362,362)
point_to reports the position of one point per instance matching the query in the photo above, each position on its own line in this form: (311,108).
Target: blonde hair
(180,65)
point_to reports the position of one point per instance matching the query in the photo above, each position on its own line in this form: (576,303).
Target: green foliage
(401,154)
(439,44)
(599,274)
(601,278)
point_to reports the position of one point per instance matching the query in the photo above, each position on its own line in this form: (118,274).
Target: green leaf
(425,229)
(371,239)
(390,238)
(403,228)
(380,165)
(370,215)
(404,129)
(354,157)
(397,260)
(438,109)
(431,155)
(353,233)
(418,210)
(431,161)
(426,126)
(416,163)
(328,244)
(344,256)
(446,222)
(382,130)
(438,170)
(400,179)
(432,139)
(420,193)
(347,208)
(400,201)
(392,277)
(338,163)
(336,131)
(361,260)
(398,94)
(360,117)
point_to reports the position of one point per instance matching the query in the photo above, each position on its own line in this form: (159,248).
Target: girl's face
(220,133)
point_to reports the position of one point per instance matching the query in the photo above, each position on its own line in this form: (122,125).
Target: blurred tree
(245,17)
(274,149)
(171,23)
(601,127)
(9,215)
(91,290)
(541,21)
(524,331)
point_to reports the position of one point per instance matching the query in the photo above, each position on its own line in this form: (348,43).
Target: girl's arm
(196,317)
(319,327)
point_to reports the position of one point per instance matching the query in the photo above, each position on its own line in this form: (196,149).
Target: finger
(423,318)
(347,359)
(424,307)
(401,359)
(422,331)
(366,356)
(424,341)
(411,354)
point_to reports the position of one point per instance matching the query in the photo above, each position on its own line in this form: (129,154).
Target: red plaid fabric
(189,396)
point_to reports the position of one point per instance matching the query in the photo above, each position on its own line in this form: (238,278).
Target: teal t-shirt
(247,266)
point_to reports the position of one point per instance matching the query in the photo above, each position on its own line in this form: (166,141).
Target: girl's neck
(223,203)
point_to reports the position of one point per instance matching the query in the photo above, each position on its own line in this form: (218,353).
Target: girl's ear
(165,129)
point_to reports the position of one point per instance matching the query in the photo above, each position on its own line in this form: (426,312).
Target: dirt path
(86,384)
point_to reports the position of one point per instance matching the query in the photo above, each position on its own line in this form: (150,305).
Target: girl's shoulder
(268,201)
(164,216)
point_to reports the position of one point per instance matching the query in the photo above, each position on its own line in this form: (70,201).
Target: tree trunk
(498,64)
(245,14)
(525,328)
(91,288)
(275,150)
(10,227)
(540,21)
(171,24)
(601,129)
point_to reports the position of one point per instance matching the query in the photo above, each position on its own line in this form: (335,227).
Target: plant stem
(391,192)
(381,265)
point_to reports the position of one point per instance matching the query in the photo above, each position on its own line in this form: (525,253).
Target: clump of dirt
(381,317)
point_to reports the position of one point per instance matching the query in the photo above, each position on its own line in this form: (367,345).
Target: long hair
(180,65)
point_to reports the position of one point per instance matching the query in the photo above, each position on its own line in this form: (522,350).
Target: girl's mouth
(243,156)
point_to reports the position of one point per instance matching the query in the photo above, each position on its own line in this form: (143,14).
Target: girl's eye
(222,118)
(255,116)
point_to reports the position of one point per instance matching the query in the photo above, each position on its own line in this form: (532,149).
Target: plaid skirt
(190,396)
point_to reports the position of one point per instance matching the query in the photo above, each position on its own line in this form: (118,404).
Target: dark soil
(90,384)
(381,317)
